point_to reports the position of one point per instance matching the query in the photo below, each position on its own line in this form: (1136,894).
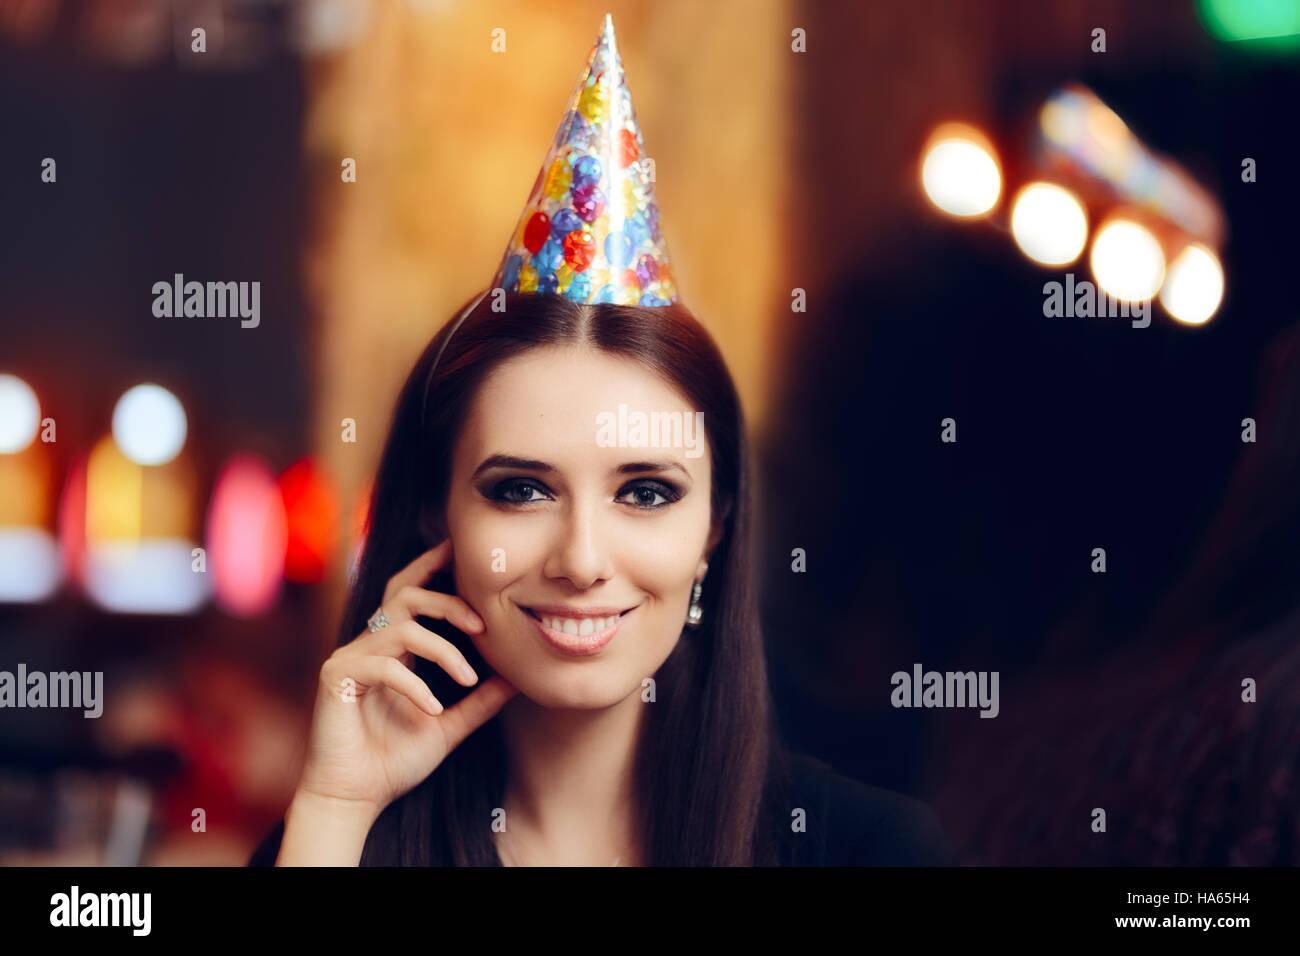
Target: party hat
(590,229)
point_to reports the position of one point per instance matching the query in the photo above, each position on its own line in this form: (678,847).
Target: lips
(569,638)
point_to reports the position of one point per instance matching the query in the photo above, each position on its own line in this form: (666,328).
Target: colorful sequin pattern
(590,230)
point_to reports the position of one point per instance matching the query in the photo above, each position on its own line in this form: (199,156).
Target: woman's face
(577,529)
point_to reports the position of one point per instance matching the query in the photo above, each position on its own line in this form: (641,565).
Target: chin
(563,686)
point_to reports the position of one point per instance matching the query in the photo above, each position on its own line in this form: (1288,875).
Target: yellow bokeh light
(1127,261)
(1193,288)
(959,173)
(1049,224)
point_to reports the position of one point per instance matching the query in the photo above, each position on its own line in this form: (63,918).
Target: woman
(588,587)
(559,751)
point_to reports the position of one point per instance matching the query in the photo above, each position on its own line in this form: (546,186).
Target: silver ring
(377,621)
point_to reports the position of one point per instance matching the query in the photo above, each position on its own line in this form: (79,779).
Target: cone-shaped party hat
(590,229)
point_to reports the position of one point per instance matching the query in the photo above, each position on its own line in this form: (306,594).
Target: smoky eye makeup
(655,487)
(513,491)
(643,494)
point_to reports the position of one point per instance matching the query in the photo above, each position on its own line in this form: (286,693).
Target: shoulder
(855,824)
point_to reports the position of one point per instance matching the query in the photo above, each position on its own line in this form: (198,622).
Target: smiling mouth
(578,626)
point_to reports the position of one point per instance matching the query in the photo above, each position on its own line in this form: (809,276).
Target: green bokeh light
(1272,25)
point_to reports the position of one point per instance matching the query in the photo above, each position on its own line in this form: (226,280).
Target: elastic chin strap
(428,380)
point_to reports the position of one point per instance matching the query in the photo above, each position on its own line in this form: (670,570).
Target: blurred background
(864,203)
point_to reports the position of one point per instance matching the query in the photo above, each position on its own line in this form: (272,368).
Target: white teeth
(586,625)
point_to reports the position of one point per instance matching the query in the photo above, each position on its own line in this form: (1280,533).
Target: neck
(570,780)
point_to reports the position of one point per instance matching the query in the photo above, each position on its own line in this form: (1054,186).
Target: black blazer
(849,823)
(846,823)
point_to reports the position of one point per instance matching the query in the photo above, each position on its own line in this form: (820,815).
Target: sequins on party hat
(590,229)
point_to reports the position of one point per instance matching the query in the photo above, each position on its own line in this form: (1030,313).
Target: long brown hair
(709,751)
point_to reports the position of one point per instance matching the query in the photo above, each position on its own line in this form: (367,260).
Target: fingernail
(478,623)
(433,702)
(467,673)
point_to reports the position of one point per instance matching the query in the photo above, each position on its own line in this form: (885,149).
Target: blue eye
(503,491)
(658,489)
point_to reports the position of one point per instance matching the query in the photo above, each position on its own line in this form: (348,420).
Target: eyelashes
(518,492)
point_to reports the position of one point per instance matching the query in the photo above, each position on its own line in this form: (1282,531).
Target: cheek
(665,554)
(491,551)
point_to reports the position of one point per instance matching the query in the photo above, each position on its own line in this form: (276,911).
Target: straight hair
(707,761)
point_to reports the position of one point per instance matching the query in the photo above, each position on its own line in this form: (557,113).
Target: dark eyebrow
(531,464)
(659,464)
(508,461)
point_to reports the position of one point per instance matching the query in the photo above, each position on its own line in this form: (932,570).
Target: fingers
(416,600)
(405,598)
(410,636)
(418,571)
(475,710)
(370,670)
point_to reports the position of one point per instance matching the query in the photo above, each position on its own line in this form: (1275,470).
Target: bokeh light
(1193,288)
(1276,22)
(960,173)
(149,425)
(312,511)
(246,537)
(137,558)
(1049,224)
(1127,261)
(20,414)
(30,565)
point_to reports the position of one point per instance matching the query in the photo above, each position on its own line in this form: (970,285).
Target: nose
(581,550)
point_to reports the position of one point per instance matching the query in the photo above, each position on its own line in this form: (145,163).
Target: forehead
(550,400)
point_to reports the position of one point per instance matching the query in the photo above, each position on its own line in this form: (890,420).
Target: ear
(433,529)
(715,530)
(715,535)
